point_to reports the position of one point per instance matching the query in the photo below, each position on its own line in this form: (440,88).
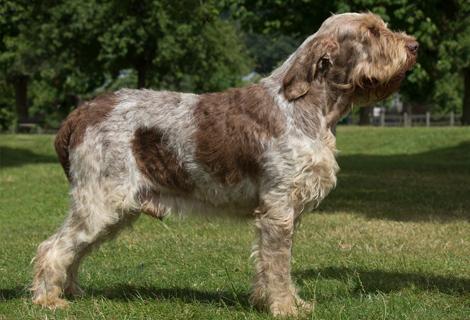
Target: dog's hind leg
(91,221)
(71,287)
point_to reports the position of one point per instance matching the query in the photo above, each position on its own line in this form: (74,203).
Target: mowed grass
(391,242)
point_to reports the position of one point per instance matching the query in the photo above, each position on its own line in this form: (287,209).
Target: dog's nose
(413,47)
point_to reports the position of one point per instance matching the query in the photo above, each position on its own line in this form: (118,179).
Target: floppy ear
(313,61)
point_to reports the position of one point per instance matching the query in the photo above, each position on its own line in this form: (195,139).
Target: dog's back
(179,147)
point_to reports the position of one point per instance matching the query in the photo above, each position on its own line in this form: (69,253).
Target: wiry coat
(265,150)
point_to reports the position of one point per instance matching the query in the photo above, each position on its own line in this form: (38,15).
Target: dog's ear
(312,62)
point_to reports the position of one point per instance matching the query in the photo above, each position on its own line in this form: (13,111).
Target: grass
(391,242)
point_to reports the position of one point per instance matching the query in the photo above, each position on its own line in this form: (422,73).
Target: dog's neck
(338,103)
(323,105)
(321,108)
(331,102)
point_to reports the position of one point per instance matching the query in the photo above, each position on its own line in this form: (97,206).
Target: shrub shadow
(187,295)
(370,281)
(129,293)
(426,186)
(12,157)
(13,293)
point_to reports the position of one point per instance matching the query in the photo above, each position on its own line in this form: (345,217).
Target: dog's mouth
(372,91)
(410,61)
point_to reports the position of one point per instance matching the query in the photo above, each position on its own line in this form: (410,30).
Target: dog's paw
(74,290)
(283,309)
(304,306)
(51,302)
(291,307)
(284,306)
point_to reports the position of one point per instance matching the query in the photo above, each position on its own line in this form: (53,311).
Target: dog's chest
(317,176)
(300,167)
(306,168)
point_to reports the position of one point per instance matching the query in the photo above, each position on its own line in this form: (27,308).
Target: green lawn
(391,242)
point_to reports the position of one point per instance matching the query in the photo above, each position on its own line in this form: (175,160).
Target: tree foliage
(70,50)
(55,53)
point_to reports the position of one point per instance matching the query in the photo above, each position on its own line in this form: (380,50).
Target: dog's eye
(374,31)
(324,64)
(370,82)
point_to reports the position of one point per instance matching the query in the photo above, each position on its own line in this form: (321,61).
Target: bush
(7,119)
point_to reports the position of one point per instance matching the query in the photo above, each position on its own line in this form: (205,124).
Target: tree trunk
(21,97)
(364,116)
(466,98)
(141,75)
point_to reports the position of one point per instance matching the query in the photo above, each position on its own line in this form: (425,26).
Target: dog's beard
(371,92)
(367,96)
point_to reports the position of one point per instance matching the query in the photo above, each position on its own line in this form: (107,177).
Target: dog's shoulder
(233,129)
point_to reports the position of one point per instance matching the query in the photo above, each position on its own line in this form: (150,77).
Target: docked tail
(62,143)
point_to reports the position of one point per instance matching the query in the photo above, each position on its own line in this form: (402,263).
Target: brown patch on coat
(73,129)
(234,127)
(157,162)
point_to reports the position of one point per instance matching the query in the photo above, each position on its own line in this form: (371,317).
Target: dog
(265,150)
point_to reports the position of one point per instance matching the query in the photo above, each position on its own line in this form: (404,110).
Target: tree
(364,116)
(466,98)
(18,58)
(49,52)
(453,79)
(172,43)
(70,69)
(61,52)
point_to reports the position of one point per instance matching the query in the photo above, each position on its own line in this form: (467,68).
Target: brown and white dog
(266,149)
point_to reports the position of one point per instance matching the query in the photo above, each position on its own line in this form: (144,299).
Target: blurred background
(55,54)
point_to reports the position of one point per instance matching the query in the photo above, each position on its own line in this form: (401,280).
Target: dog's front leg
(273,288)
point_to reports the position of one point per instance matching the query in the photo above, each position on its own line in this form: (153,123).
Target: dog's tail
(62,143)
(73,128)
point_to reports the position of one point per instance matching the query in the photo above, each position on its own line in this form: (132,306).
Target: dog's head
(353,52)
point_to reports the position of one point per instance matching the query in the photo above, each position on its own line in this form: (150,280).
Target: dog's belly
(214,199)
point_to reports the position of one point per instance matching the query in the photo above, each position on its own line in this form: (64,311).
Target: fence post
(452,118)
(382,118)
(428,119)
(405,119)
